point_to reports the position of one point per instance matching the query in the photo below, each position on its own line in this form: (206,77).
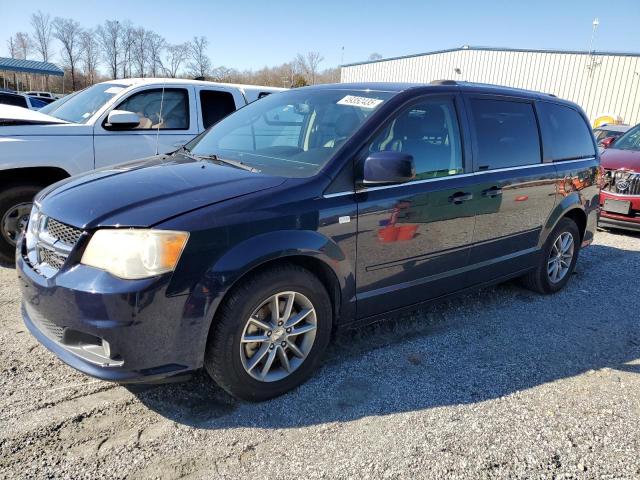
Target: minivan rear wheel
(270,333)
(558,259)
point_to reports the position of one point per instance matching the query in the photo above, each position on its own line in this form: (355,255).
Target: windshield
(80,106)
(630,140)
(291,134)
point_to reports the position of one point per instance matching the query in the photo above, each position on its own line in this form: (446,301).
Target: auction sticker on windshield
(363,102)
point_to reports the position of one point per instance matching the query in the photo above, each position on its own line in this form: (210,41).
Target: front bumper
(146,332)
(617,220)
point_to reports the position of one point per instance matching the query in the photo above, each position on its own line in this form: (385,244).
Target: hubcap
(14,220)
(278,336)
(560,257)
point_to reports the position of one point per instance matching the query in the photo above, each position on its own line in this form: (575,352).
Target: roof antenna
(160,119)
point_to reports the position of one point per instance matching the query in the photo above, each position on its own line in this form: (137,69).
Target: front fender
(246,256)
(71,153)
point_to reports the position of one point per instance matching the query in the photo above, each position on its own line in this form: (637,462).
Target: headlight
(133,254)
(32,228)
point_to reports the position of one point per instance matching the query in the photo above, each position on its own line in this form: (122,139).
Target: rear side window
(565,132)
(15,100)
(215,106)
(506,133)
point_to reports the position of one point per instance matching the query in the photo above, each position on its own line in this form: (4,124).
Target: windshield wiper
(233,163)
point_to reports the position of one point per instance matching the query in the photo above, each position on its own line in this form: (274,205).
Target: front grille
(622,182)
(51,258)
(64,233)
(49,243)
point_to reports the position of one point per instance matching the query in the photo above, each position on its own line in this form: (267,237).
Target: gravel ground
(501,383)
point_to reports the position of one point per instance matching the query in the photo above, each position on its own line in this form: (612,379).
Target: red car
(620,194)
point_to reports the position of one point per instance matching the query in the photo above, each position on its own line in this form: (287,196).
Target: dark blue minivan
(307,210)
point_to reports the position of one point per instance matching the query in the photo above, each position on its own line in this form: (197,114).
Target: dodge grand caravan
(312,209)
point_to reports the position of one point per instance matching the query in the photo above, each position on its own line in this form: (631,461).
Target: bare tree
(140,50)
(13,52)
(23,45)
(224,74)
(13,49)
(42,32)
(68,31)
(176,56)
(156,45)
(109,36)
(308,64)
(90,55)
(200,65)
(126,46)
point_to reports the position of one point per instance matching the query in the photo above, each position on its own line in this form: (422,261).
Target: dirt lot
(501,383)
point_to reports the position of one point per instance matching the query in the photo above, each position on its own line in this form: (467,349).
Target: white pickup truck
(108,123)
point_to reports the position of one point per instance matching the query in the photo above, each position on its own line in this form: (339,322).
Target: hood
(146,192)
(615,159)
(13,116)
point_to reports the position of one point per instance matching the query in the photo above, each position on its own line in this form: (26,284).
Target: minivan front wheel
(270,333)
(558,259)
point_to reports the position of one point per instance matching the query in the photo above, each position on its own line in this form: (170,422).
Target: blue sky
(249,34)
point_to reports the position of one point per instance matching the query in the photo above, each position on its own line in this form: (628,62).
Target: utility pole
(593,63)
(595,24)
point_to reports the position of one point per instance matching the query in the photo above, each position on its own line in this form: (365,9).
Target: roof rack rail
(443,82)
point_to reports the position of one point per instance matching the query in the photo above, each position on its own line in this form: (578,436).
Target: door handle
(459,197)
(492,192)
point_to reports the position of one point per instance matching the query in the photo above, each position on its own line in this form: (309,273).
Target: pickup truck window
(291,134)
(215,106)
(82,105)
(166,111)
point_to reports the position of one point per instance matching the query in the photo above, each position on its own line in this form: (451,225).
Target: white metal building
(603,83)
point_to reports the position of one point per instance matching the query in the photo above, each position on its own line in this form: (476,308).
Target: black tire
(10,196)
(223,358)
(538,280)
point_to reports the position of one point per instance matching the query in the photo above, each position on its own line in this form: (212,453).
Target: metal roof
(497,49)
(30,66)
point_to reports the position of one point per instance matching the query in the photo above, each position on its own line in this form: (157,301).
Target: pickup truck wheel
(270,334)
(558,259)
(15,205)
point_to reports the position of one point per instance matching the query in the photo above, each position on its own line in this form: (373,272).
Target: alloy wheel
(15,220)
(560,257)
(278,336)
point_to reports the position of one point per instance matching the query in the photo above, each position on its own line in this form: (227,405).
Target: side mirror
(381,168)
(607,142)
(122,120)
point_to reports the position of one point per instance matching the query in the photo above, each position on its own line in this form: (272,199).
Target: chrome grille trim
(622,182)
